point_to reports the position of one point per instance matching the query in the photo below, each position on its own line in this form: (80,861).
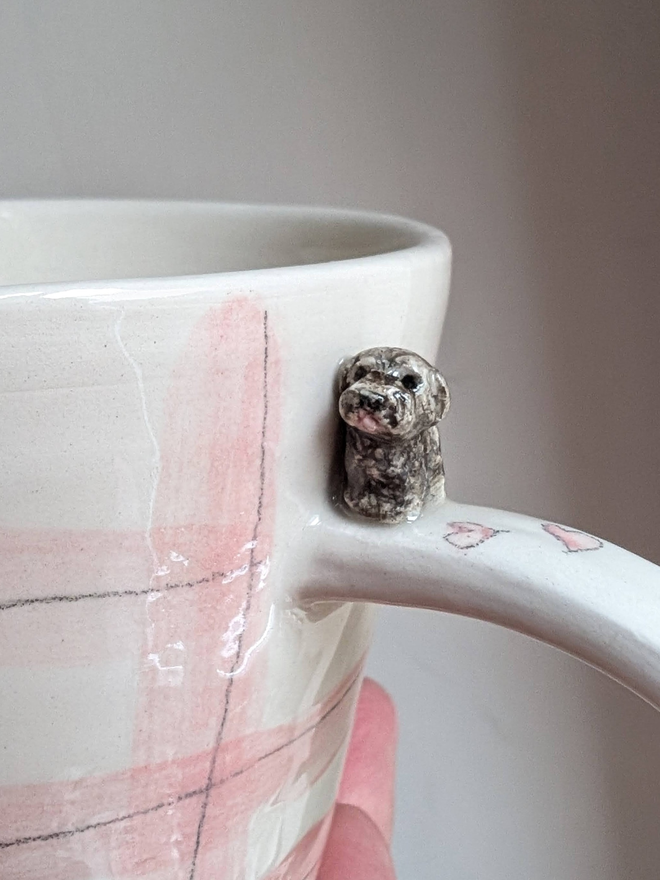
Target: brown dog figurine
(392,401)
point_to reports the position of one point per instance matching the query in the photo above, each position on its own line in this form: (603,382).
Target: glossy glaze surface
(168,711)
(183,607)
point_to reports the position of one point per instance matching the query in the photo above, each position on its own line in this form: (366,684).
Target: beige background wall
(529,132)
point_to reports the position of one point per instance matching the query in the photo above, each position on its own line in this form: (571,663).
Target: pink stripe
(211,475)
(61,562)
(282,761)
(187,600)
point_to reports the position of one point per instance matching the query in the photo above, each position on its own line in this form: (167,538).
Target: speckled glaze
(184,611)
(391,401)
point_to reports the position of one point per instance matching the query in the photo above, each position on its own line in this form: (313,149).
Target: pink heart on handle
(573,540)
(465,535)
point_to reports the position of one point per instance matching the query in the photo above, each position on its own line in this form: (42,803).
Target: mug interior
(82,241)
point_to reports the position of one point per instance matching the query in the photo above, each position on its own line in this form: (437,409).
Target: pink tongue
(369,423)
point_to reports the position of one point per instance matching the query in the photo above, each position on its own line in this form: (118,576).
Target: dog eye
(360,373)
(411,382)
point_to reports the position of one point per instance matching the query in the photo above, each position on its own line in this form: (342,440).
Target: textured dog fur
(392,401)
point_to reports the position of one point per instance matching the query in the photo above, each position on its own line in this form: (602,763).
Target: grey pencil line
(293,739)
(80,829)
(119,594)
(246,612)
(176,799)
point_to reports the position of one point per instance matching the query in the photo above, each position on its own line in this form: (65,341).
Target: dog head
(391,393)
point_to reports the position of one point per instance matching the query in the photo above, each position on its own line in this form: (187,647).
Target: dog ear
(441,394)
(344,369)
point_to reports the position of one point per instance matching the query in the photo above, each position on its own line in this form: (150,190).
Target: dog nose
(371,402)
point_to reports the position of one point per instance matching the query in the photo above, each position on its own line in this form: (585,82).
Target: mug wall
(527,133)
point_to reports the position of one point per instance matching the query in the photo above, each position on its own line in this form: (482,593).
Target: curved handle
(585,596)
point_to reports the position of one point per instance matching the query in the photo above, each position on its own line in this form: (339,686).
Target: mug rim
(423,241)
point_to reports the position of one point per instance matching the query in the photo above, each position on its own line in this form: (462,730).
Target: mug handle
(561,586)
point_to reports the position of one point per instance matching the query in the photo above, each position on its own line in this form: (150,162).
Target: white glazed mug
(184,611)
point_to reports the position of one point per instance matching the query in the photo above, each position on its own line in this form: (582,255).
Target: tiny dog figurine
(392,401)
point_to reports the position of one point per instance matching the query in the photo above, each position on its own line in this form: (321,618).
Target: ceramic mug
(184,611)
